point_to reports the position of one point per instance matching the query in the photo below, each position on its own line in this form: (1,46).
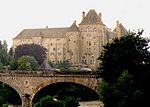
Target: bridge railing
(45,74)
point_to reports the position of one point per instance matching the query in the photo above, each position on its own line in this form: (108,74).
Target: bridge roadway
(28,84)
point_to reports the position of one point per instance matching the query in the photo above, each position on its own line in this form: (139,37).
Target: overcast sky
(16,15)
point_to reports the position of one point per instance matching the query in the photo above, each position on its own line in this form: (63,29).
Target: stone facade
(80,44)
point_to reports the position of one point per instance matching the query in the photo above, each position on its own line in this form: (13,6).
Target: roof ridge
(47,28)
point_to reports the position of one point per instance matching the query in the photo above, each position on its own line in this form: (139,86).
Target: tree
(10,52)
(35,50)
(125,69)
(70,102)
(27,63)
(48,101)
(13,64)
(4,53)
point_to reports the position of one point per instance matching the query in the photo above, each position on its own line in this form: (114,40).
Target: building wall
(80,45)
(92,38)
(80,48)
(73,47)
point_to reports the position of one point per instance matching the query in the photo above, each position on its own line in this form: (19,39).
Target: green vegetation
(37,51)
(27,63)
(8,95)
(125,69)
(5,57)
(49,101)
(63,66)
(70,102)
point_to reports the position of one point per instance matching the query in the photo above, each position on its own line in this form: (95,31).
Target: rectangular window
(59,53)
(89,43)
(52,53)
(83,61)
(91,62)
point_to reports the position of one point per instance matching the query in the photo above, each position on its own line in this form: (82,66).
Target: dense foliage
(37,51)
(49,101)
(27,63)
(125,69)
(70,102)
(8,95)
(4,55)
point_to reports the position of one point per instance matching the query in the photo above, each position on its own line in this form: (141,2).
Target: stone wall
(91,104)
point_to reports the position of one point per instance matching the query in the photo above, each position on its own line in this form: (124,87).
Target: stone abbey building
(80,43)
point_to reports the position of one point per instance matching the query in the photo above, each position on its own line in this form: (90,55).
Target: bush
(1,66)
(70,102)
(27,63)
(13,64)
(48,101)
(5,105)
(35,50)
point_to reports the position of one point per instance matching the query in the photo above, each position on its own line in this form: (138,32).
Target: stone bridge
(28,84)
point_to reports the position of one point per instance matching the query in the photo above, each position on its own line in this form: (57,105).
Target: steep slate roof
(47,32)
(91,18)
(73,28)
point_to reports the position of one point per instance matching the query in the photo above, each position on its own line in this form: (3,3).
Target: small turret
(120,29)
(74,27)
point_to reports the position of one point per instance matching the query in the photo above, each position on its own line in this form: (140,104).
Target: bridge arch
(91,83)
(12,86)
(59,89)
(14,89)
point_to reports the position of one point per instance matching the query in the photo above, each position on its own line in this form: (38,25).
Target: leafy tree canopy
(127,53)
(27,63)
(125,69)
(35,50)
(3,53)
(49,101)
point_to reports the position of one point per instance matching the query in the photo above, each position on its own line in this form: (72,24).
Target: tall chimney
(83,15)
(100,16)
(117,23)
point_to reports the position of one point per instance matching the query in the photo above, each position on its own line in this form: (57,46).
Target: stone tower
(93,36)
(72,36)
